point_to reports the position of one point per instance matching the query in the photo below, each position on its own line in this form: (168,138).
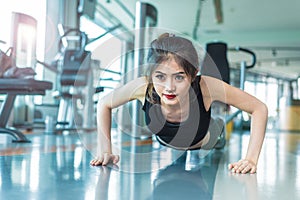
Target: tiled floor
(57,167)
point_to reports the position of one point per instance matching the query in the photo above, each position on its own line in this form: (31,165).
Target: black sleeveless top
(182,134)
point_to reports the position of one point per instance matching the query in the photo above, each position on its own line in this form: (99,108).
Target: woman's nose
(170,86)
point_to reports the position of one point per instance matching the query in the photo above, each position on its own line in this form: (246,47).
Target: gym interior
(66,54)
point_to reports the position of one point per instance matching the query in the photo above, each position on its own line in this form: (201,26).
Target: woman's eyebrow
(159,72)
(177,73)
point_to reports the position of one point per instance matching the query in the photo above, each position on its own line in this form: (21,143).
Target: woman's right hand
(105,159)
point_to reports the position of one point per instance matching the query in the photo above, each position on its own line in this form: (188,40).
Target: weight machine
(216,64)
(75,80)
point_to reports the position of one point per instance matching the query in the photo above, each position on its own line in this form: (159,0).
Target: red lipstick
(170,96)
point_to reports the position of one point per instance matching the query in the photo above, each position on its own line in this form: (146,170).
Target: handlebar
(249,52)
(83,39)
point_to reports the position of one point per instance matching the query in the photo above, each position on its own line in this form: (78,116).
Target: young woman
(177,104)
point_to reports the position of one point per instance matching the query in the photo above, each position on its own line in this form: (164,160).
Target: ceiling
(270,28)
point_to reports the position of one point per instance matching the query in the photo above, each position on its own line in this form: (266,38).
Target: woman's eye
(160,77)
(179,78)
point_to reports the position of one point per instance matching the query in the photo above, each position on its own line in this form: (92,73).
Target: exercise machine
(216,64)
(75,82)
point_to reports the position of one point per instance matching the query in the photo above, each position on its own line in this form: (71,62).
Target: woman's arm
(135,89)
(221,91)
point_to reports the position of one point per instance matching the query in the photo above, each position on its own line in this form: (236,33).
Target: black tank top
(182,134)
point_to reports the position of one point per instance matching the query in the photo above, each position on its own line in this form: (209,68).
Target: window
(28,7)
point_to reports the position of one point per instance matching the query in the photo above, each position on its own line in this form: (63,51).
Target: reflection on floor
(57,167)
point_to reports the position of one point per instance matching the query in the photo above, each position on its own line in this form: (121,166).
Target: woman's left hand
(243,166)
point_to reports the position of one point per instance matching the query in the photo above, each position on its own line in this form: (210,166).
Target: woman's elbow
(262,108)
(265,109)
(102,105)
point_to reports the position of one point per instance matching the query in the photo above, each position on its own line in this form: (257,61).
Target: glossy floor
(57,167)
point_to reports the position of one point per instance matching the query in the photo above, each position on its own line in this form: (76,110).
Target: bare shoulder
(137,87)
(212,89)
(210,81)
(210,84)
(134,89)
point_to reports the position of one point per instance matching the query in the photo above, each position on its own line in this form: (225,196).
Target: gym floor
(57,167)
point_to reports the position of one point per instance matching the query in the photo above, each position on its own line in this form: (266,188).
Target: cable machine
(216,64)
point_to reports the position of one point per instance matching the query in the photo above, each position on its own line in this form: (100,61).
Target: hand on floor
(243,166)
(105,159)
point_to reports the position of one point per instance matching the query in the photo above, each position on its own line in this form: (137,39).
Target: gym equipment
(23,42)
(243,67)
(13,87)
(216,64)
(76,82)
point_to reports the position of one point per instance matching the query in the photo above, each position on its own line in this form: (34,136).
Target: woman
(177,104)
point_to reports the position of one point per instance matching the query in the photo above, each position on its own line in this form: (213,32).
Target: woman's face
(171,83)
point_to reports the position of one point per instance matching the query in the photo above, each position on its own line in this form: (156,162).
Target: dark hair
(168,46)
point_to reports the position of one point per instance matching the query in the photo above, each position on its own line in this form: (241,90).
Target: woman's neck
(176,113)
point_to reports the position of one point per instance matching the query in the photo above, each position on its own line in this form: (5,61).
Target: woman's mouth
(170,96)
